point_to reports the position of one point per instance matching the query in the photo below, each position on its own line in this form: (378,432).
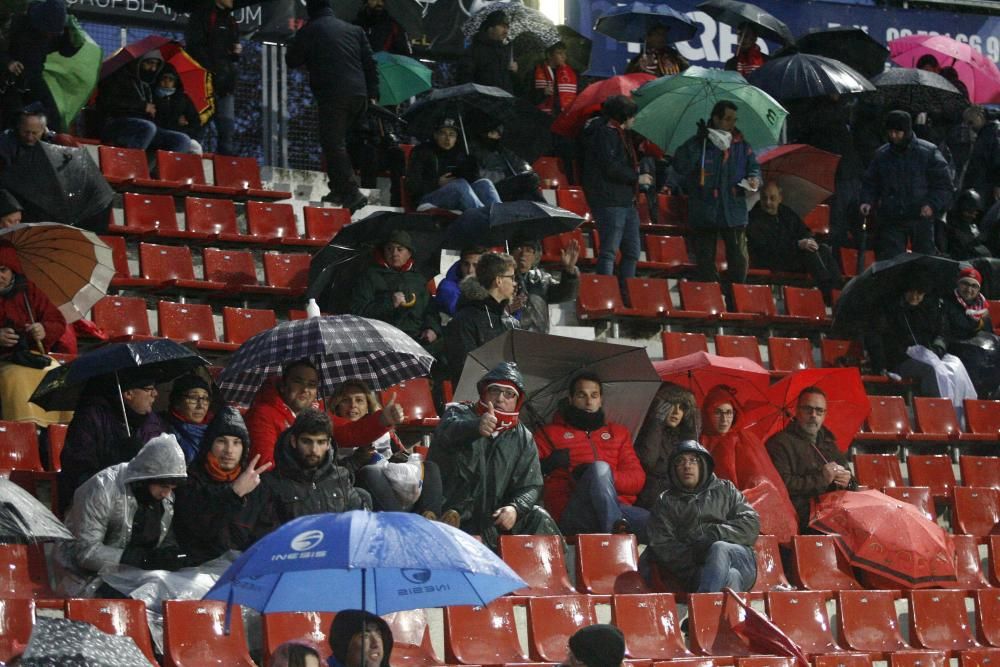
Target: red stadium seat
(970,576)
(411,635)
(56,434)
(21,458)
(214,217)
(415,396)
(272,222)
(867,622)
(539,560)
(976,510)
(147,214)
(988,616)
(711,618)
(124,618)
(122,317)
(651,626)
(667,253)
(17,618)
(979,657)
(553,620)
(878,470)
(932,470)
(770,571)
(727,345)
(190,323)
(849,261)
(916,658)
(980,471)
(240,324)
(187,168)
(936,421)
(789,354)
(704,300)
(24,574)
(482,635)
(194,635)
(288,272)
(323,223)
(573,199)
(677,344)
(608,564)
(243,175)
(837,353)
(756,300)
(818,220)
(802,615)
(673,209)
(939,621)
(804,306)
(983,417)
(309,626)
(820,566)
(552,247)
(550,170)
(171,267)
(129,168)
(650,297)
(887,421)
(599,297)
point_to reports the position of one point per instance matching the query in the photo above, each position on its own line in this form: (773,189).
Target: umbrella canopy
(847,405)
(763,636)
(547,363)
(589,101)
(632,21)
(916,90)
(852,46)
(523,21)
(736,13)
(60,642)
(700,371)
(885,281)
(377,561)
(161,360)
(804,173)
(24,519)
(407,13)
(888,537)
(670,107)
(802,75)
(72,79)
(400,78)
(72,266)
(507,221)
(526,129)
(342,347)
(979,74)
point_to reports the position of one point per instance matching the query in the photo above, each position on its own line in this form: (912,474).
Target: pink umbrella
(979,74)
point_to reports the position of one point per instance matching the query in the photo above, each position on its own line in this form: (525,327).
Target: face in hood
(716,397)
(161,458)
(349,623)
(505,370)
(669,396)
(680,479)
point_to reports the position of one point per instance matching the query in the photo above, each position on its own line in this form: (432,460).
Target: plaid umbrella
(523,21)
(342,347)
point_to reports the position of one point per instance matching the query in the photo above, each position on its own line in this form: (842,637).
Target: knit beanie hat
(899,120)
(400,237)
(598,645)
(970,273)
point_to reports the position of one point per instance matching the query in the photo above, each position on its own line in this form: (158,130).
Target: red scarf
(505,420)
(749,60)
(976,310)
(380,260)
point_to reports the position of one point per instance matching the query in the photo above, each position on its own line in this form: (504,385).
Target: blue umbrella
(380,562)
(631,22)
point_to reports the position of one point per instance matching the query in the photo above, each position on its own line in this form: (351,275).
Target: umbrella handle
(121,401)
(31,316)
(701,178)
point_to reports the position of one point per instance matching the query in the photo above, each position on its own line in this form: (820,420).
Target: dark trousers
(703,242)
(336,116)
(821,265)
(893,235)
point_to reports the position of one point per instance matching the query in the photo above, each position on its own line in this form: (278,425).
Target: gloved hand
(702,132)
(581,470)
(559,458)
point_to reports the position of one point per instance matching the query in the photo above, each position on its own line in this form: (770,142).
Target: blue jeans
(459,195)
(727,564)
(594,506)
(141,133)
(618,228)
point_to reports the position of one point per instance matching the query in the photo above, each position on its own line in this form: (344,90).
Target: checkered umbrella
(342,347)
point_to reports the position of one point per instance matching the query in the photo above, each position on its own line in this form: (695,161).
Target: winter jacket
(657,439)
(983,170)
(800,465)
(487,62)
(210,518)
(899,325)
(719,201)
(372,297)
(428,162)
(382,31)
(479,318)
(959,325)
(447,294)
(564,86)
(103,511)
(773,240)
(170,109)
(901,181)
(30,46)
(685,523)
(610,166)
(337,56)
(25,304)
(349,623)
(124,94)
(662,62)
(611,443)
(210,37)
(497,162)
(542,289)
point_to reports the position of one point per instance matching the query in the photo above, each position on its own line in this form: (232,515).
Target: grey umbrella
(60,642)
(24,519)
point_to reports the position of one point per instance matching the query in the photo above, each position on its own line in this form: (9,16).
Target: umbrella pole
(465,141)
(701,178)
(31,316)
(121,401)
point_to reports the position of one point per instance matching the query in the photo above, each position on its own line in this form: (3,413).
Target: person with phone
(443,175)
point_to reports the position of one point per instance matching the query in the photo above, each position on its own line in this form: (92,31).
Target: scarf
(189,434)
(583,420)
(976,310)
(380,260)
(749,60)
(217,473)
(505,420)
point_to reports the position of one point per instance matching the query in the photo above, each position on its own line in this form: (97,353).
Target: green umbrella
(670,107)
(400,78)
(71,80)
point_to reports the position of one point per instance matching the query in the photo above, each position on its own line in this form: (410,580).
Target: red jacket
(14,313)
(563,81)
(612,443)
(270,416)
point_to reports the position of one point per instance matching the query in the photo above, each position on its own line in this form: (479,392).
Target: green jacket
(372,297)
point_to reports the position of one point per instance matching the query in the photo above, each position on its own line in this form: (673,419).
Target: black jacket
(210,37)
(125,94)
(901,325)
(383,32)
(773,239)
(428,163)
(170,109)
(487,62)
(478,318)
(959,325)
(30,46)
(983,170)
(900,181)
(337,56)
(609,173)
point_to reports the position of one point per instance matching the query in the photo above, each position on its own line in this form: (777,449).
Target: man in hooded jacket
(359,639)
(702,529)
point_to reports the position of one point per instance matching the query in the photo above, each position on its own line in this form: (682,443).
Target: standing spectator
(442,175)
(489,60)
(383,32)
(658,56)
(489,462)
(212,38)
(983,171)
(610,181)
(448,291)
(748,56)
(10,210)
(537,288)
(908,185)
(672,417)
(187,414)
(555,81)
(714,164)
(174,109)
(343,79)
(597,645)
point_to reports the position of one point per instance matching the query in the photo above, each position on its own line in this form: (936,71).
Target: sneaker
(621,526)
(452,518)
(429,515)
(355,202)
(426,206)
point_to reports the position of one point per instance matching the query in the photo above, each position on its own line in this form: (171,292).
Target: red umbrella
(763,636)
(700,371)
(804,173)
(979,74)
(888,537)
(847,404)
(588,102)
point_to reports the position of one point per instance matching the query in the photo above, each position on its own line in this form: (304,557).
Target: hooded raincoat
(349,623)
(657,439)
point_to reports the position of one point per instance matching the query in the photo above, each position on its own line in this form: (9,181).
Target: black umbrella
(852,46)
(916,90)
(526,128)
(736,13)
(60,642)
(407,13)
(160,360)
(802,75)
(632,22)
(334,269)
(507,221)
(23,519)
(883,282)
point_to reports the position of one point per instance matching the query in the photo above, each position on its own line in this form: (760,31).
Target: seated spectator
(702,529)
(778,240)
(513,178)
(965,239)
(188,414)
(555,81)
(970,334)
(806,455)
(381,468)
(295,654)
(672,417)
(307,479)
(448,292)
(442,175)
(592,475)
(489,462)
(10,210)
(393,291)
(123,515)
(482,314)
(658,56)
(174,109)
(359,639)
(597,645)
(537,288)
(218,507)
(110,425)
(127,103)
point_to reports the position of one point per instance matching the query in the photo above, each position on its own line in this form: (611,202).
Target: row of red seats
(935,422)
(935,471)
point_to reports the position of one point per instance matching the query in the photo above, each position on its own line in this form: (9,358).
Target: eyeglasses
(197,400)
(509,394)
(724,413)
(684,461)
(150,389)
(818,411)
(508,275)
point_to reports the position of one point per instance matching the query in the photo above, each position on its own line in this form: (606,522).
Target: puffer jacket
(103,510)
(611,443)
(656,440)
(685,523)
(372,297)
(901,181)
(448,292)
(478,318)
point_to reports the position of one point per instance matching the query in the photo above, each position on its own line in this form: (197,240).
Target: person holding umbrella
(748,57)
(489,60)
(658,57)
